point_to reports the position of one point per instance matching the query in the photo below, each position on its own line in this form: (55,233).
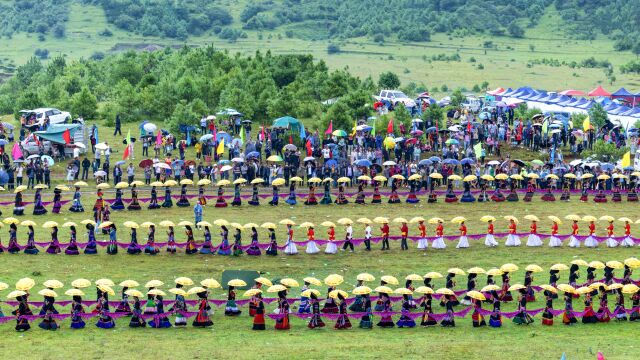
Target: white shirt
(349,232)
(367,232)
(326,153)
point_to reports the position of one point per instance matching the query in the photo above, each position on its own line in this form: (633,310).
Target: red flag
(264,138)
(330,128)
(309,149)
(469,127)
(125,155)
(215,133)
(66,135)
(36,140)
(290,139)
(390,127)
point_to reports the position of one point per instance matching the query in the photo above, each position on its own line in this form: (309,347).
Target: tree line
(179,86)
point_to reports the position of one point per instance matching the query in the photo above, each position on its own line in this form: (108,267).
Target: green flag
(373,130)
(242,133)
(477,148)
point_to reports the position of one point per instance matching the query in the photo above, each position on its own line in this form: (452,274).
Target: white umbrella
(33,157)
(239,160)
(493,162)
(309,158)
(150,127)
(100,173)
(162,165)
(226,168)
(102,146)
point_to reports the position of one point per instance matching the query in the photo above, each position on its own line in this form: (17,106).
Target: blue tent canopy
(619,110)
(622,92)
(55,132)
(507,92)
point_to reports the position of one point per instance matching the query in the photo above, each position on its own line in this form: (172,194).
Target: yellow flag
(586,125)
(220,149)
(355,125)
(626,159)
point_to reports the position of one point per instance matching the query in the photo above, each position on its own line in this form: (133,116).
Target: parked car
(395,97)
(55,116)
(472,103)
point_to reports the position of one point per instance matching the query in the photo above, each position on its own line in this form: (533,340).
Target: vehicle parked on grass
(37,116)
(395,97)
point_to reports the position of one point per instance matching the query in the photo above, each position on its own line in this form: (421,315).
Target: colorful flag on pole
(477,149)
(586,125)
(66,135)
(159,138)
(330,128)
(220,149)
(242,133)
(303,133)
(626,159)
(129,148)
(16,152)
(390,127)
(373,128)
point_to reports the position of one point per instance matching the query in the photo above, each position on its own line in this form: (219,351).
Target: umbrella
(162,165)
(363,162)
(493,162)
(222,135)
(206,137)
(253,154)
(309,158)
(144,163)
(425,162)
(238,160)
(453,162)
(275,158)
(339,133)
(290,147)
(35,156)
(150,127)
(484,115)
(47,159)
(100,173)
(537,162)
(435,159)
(518,162)
(331,162)
(121,162)
(466,161)
(101,146)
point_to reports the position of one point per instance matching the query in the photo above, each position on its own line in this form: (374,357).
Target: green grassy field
(505,63)
(232,336)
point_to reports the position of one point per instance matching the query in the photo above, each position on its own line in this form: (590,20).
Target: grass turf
(232,336)
(504,62)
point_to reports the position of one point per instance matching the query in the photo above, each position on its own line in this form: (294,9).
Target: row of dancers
(312,244)
(336,305)
(134,203)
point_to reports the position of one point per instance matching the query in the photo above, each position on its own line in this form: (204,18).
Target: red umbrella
(190,162)
(144,163)
(411,141)
(417,132)
(572,92)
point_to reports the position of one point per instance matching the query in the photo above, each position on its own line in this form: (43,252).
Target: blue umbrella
(4,177)
(431,129)
(425,162)
(627,168)
(451,162)
(466,161)
(223,135)
(332,145)
(363,162)
(607,167)
(435,159)
(331,162)
(3,142)
(452,142)
(121,162)
(484,115)
(178,162)
(253,154)
(224,162)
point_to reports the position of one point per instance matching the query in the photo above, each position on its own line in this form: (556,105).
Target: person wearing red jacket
(422,243)
(627,241)
(404,230)
(385,236)
(611,242)
(463,242)
(574,242)
(490,240)
(534,239)
(438,243)
(590,241)
(513,239)
(553,240)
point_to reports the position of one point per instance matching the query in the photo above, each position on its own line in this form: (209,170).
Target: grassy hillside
(496,60)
